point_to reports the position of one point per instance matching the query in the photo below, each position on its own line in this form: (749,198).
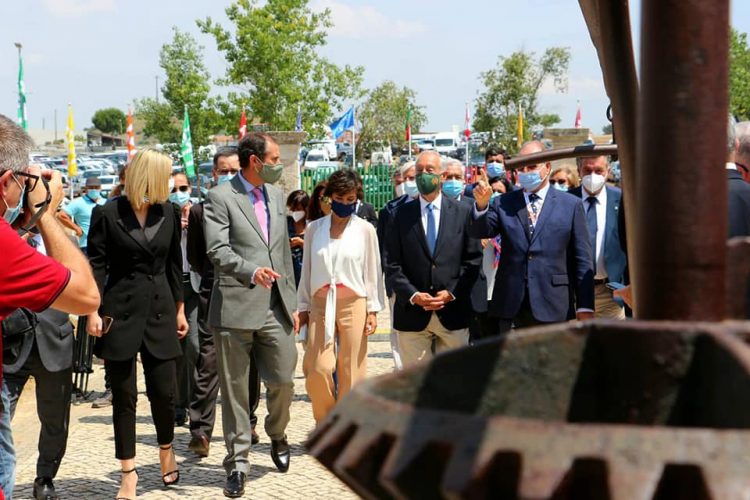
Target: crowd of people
(214,295)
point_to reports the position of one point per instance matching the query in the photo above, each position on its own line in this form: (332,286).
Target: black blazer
(139,274)
(479,302)
(367,212)
(738,195)
(385,216)
(196,243)
(410,268)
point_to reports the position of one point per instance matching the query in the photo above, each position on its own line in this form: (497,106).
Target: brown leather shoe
(255,438)
(199,446)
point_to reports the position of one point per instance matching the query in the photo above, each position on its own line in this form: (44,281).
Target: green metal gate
(376,179)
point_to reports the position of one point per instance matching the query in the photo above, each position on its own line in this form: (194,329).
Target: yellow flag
(519,132)
(70,136)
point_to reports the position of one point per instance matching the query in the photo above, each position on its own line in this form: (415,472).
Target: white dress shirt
(601,224)
(436,205)
(353,261)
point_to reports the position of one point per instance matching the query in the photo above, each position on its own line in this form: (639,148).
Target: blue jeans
(7,452)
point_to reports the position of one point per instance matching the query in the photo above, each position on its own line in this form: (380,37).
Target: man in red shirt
(27,278)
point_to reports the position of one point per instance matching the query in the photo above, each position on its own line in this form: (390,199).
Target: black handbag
(18,328)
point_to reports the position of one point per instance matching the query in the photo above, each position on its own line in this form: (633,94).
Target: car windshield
(444,142)
(108,179)
(314,157)
(92,173)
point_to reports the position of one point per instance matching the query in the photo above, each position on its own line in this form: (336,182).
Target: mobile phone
(613,285)
(302,336)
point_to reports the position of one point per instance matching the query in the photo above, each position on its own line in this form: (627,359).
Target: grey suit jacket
(236,247)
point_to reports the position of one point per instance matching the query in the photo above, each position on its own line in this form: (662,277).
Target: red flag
(467,129)
(243,124)
(578,117)
(130,135)
(408,125)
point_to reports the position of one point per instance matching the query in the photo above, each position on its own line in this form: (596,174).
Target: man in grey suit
(253,301)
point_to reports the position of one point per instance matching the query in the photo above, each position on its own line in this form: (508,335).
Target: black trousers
(53,391)
(524,318)
(483,326)
(161,381)
(190,351)
(202,409)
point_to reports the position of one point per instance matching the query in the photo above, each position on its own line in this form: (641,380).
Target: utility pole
(55,125)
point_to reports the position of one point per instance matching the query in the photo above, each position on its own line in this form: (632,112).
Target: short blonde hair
(147,178)
(573,180)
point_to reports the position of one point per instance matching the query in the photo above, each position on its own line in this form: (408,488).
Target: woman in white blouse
(339,295)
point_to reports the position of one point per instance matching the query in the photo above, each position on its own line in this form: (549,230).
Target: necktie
(259,203)
(591,222)
(431,229)
(533,200)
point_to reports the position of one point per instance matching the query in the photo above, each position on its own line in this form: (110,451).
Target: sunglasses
(182,189)
(743,167)
(325,199)
(31,179)
(559,181)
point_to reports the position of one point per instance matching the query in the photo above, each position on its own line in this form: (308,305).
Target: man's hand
(445,296)
(482,191)
(625,294)
(428,302)
(94,325)
(183,327)
(296,241)
(584,315)
(265,277)
(39,194)
(371,323)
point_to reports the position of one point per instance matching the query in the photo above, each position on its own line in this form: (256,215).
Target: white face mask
(400,190)
(593,182)
(298,215)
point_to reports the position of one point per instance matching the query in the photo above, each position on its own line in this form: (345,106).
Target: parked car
(108,184)
(315,158)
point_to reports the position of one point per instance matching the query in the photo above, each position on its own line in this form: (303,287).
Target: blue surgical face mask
(494,195)
(560,187)
(343,210)
(180,198)
(530,181)
(11,214)
(411,189)
(224,178)
(495,169)
(452,188)
(93,194)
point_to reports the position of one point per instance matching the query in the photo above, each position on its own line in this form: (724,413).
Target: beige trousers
(416,346)
(320,360)
(604,305)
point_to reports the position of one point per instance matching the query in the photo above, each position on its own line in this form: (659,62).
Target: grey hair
(452,161)
(731,136)
(742,130)
(430,152)
(15,146)
(407,166)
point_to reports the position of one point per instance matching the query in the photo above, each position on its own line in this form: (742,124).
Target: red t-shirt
(27,278)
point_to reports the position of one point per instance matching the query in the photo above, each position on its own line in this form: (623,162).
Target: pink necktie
(260,211)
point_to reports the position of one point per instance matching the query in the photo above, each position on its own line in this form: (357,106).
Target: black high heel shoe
(128,472)
(177,472)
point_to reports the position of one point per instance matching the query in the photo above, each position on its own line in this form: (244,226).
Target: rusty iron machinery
(653,408)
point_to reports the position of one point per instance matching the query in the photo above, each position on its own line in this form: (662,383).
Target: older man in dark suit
(547,264)
(431,265)
(602,204)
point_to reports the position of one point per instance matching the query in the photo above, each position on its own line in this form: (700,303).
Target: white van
(446,143)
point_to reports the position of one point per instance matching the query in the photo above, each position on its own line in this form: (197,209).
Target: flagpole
(467,159)
(354,140)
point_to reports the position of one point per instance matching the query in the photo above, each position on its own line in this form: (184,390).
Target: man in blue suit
(602,205)
(546,271)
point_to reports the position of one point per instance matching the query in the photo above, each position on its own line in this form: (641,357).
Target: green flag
(186,149)
(22,121)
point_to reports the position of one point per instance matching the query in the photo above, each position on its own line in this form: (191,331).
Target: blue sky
(100,53)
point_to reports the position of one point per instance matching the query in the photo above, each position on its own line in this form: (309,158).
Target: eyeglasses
(182,189)
(743,167)
(559,181)
(31,179)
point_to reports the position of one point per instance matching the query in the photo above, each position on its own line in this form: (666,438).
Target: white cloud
(78,7)
(366,21)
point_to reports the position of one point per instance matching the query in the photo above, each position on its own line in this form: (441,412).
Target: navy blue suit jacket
(554,266)
(615,253)
(410,268)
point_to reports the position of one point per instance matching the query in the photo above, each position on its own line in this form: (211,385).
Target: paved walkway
(90,470)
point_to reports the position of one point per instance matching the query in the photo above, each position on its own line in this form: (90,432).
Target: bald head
(532,147)
(429,161)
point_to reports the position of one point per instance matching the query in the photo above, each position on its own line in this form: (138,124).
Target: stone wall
(289,146)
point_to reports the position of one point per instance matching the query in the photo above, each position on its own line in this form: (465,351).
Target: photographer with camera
(28,279)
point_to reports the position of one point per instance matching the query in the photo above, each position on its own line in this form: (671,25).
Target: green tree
(607,129)
(272,54)
(159,120)
(110,120)
(383,116)
(514,82)
(739,75)
(187,84)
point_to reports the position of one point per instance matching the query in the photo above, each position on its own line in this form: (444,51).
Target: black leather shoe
(235,486)
(44,489)
(280,454)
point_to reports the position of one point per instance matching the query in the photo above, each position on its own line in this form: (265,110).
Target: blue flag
(298,124)
(345,122)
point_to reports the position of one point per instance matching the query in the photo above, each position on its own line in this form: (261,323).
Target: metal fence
(377,182)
